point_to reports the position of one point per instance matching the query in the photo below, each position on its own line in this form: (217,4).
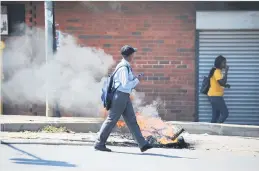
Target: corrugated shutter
(241,48)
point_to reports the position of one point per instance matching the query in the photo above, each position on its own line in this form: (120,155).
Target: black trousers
(219,109)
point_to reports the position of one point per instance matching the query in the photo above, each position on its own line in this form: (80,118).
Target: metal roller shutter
(241,48)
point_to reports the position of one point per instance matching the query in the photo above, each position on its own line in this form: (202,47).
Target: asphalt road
(54,158)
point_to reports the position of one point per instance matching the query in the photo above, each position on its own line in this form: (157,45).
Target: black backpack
(205,86)
(108,90)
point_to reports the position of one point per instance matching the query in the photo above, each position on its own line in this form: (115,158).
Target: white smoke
(149,110)
(74,74)
(73,77)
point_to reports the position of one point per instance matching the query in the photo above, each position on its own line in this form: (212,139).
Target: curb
(218,129)
(86,125)
(83,127)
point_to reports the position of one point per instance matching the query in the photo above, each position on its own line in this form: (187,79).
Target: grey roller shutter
(241,48)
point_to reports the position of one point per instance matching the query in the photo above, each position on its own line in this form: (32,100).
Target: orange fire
(156,127)
(151,126)
(120,124)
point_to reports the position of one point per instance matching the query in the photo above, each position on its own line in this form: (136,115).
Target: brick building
(171,40)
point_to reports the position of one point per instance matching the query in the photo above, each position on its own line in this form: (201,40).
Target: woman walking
(217,84)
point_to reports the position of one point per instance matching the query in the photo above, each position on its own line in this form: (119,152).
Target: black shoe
(146,147)
(102,148)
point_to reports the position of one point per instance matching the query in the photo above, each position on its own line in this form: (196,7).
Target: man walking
(121,103)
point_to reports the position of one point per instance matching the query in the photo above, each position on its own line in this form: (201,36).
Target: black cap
(127,50)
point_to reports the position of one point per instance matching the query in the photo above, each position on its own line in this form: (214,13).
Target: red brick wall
(164,33)
(39,16)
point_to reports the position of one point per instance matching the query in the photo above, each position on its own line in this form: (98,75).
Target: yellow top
(215,88)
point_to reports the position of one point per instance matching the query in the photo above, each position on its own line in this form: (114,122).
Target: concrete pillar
(48,5)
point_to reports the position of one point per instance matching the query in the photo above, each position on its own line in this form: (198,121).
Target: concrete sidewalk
(11,123)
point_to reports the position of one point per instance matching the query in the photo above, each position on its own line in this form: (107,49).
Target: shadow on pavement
(37,160)
(153,154)
(42,162)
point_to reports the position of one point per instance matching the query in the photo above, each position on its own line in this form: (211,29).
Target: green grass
(53,129)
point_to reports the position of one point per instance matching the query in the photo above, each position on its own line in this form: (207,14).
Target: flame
(150,126)
(120,124)
(157,128)
(165,140)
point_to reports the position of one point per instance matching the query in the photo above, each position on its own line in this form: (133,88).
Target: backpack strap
(119,68)
(116,71)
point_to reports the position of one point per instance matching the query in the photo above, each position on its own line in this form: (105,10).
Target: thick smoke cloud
(72,77)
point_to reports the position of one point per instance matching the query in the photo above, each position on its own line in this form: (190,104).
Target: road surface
(21,157)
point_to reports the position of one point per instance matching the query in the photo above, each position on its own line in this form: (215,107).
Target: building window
(4,20)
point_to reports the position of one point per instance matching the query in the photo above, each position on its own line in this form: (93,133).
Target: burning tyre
(157,132)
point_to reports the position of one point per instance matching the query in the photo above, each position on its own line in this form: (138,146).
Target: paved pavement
(54,158)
